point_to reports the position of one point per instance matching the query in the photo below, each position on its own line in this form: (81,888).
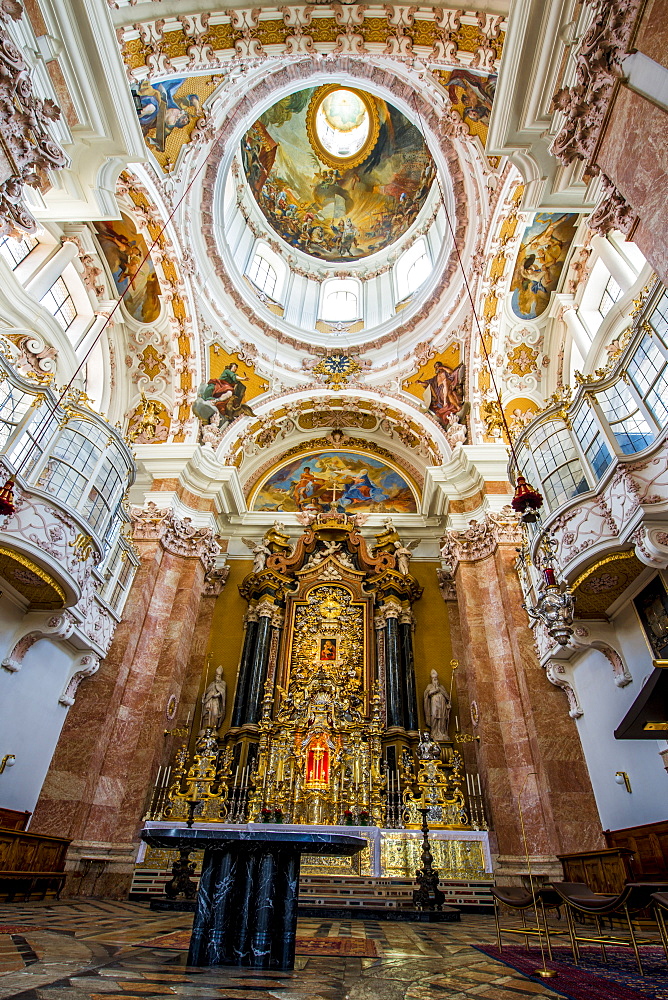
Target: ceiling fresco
(336,481)
(540,261)
(337,172)
(131,267)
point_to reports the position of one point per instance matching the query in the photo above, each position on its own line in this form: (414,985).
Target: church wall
(31,717)
(432,645)
(604,705)
(227,633)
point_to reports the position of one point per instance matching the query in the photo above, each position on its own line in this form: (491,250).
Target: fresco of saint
(124,250)
(444,391)
(224,394)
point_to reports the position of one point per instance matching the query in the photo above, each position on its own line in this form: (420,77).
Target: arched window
(413,268)
(340,300)
(267,272)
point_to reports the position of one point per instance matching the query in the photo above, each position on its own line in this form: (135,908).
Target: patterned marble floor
(91,950)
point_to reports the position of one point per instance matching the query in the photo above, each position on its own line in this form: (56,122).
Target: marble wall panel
(633,155)
(529,745)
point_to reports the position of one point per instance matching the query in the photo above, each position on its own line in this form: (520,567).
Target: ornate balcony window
(615,413)
(71,470)
(600,458)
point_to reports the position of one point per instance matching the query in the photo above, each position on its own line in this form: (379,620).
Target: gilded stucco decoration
(149,422)
(338,413)
(214,39)
(182,357)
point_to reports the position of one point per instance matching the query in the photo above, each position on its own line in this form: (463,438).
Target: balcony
(599,457)
(62,550)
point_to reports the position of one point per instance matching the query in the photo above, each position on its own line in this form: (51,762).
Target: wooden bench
(29,882)
(31,863)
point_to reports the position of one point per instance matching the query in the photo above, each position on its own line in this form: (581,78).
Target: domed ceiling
(338,173)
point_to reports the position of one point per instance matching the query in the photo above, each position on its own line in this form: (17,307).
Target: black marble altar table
(247,901)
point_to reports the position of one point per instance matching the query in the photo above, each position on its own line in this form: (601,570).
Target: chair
(522,900)
(579,897)
(660,900)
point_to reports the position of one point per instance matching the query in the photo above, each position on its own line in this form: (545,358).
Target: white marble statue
(214,702)
(260,552)
(404,554)
(437,708)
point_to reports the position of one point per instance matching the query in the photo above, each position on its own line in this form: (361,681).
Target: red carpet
(593,979)
(333,946)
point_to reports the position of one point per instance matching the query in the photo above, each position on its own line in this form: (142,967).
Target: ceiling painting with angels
(343,481)
(338,173)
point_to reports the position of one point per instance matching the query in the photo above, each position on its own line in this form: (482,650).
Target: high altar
(324,725)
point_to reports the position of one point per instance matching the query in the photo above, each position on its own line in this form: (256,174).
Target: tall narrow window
(15,251)
(263,275)
(267,272)
(60,304)
(610,294)
(413,268)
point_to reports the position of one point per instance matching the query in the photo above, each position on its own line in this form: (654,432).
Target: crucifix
(335,486)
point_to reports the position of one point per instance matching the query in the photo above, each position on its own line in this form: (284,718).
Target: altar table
(247,901)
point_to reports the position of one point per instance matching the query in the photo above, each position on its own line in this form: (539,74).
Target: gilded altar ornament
(432,785)
(204,784)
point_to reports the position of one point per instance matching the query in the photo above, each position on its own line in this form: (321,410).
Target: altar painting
(342,481)
(540,261)
(124,250)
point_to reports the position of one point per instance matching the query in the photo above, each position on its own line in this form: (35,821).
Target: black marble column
(245,672)
(258,673)
(408,674)
(393,692)
(247,907)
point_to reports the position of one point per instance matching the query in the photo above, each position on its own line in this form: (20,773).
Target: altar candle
(456,723)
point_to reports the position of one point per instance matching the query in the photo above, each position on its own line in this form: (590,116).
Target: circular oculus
(342,125)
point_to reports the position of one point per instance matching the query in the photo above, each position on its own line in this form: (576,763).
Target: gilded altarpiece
(320,753)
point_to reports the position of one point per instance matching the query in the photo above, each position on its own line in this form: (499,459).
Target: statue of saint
(437,708)
(214,701)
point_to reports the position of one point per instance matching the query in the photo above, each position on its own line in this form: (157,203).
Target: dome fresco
(337,172)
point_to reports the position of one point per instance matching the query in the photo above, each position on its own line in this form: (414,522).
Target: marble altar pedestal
(247,901)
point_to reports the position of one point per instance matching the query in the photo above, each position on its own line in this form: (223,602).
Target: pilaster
(529,751)
(113,738)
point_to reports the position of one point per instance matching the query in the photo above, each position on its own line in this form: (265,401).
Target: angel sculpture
(404,554)
(260,552)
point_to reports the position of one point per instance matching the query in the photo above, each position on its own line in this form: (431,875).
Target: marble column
(245,669)
(379,628)
(529,746)
(393,686)
(406,626)
(258,673)
(100,777)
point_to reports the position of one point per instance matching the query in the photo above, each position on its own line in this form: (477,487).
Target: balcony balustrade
(599,455)
(63,556)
